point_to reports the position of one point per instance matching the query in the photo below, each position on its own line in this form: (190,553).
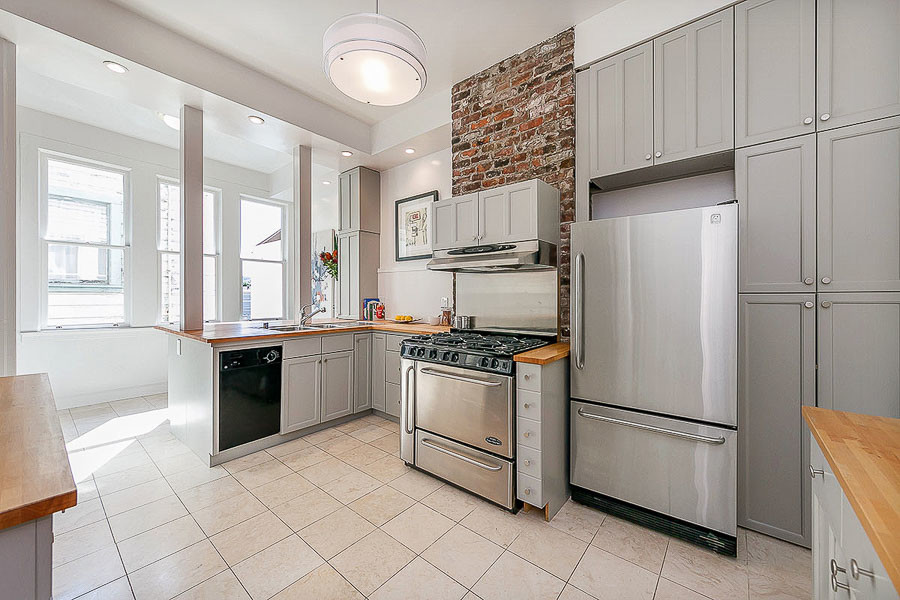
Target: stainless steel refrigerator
(654,370)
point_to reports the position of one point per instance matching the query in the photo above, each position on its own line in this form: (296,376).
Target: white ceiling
(283,38)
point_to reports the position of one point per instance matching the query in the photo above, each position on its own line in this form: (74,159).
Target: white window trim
(285,262)
(44,156)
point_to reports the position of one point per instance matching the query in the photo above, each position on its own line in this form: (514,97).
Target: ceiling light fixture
(256,120)
(346,153)
(115,67)
(171,121)
(374,59)
(410,150)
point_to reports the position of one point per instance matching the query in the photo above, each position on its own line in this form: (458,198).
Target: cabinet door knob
(807,120)
(826,304)
(526,405)
(527,434)
(856,570)
(813,472)
(808,304)
(527,491)
(528,462)
(474,238)
(809,281)
(826,280)
(825,116)
(527,377)
(648,157)
(658,154)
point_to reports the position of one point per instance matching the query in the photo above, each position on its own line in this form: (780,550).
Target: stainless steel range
(458,408)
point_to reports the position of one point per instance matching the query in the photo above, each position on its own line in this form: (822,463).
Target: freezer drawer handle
(679,434)
(428,443)
(428,371)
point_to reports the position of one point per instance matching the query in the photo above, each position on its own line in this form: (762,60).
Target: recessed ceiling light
(326,182)
(115,67)
(410,150)
(346,153)
(256,120)
(171,121)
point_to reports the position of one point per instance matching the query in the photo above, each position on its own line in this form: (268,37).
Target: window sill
(85,333)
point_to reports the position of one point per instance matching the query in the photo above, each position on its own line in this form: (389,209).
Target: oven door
(468,406)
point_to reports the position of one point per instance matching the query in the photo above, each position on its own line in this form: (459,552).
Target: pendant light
(374,59)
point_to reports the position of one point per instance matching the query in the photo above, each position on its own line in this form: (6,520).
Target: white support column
(8,221)
(302,192)
(191,175)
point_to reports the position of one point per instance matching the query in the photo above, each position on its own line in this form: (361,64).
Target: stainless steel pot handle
(428,371)
(410,406)
(716,441)
(578,325)
(428,443)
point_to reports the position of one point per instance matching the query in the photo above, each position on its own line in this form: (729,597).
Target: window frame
(285,261)
(44,158)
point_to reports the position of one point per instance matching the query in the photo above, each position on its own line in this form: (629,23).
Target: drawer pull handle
(716,441)
(813,472)
(429,444)
(837,585)
(856,570)
(835,569)
(436,373)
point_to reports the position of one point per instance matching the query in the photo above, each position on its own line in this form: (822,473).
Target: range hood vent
(532,255)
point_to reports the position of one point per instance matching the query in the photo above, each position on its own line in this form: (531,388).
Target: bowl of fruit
(405,319)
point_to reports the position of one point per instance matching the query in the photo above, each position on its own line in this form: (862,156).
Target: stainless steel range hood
(531,255)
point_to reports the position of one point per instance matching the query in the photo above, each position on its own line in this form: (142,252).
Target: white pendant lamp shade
(374,59)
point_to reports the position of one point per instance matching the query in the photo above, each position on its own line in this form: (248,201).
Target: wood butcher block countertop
(545,354)
(224,333)
(864,453)
(35,476)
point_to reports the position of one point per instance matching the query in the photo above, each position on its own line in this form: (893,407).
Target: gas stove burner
(480,351)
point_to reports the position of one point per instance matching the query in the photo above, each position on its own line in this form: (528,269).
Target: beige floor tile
(335,532)
(417,527)
(144,518)
(513,578)
(262,474)
(352,486)
(386,469)
(305,457)
(324,583)
(86,573)
(123,461)
(159,450)
(778,569)
(322,435)
(130,406)
(181,462)
(92,410)
(119,589)
(81,542)
(227,513)
(281,490)
(463,555)
(327,470)
(87,490)
(158,400)
(716,576)
(339,444)
(108,484)
(608,577)
(245,462)
(452,502)
(83,513)
(268,572)
(288,447)
(389,443)
(570,592)
(370,434)
(148,547)
(498,525)
(382,505)
(224,586)
(667,590)
(554,551)
(190,478)
(416,485)
(419,580)
(177,572)
(200,497)
(372,560)
(352,425)
(139,495)
(306,509)
(362,455)
(578,520)
(642,546)
(253,535)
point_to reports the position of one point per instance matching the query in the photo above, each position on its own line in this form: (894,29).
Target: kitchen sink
(310,327)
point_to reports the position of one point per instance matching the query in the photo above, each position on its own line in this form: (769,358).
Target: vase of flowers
(330,259)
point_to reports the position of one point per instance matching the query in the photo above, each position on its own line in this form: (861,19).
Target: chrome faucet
(306,317)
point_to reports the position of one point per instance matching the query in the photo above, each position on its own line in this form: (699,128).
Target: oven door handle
(410,399)
(715,441)
(428,371)
(428,443)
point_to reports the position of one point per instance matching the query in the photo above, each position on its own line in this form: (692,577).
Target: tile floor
(337,515)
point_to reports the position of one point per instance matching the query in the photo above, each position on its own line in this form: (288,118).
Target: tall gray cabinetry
(359,247)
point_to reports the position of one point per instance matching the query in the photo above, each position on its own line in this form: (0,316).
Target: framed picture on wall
(414,226)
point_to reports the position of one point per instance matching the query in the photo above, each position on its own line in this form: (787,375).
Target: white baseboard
(110,395)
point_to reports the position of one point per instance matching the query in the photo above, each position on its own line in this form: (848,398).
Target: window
(85,243)
(262,259)
(169,193)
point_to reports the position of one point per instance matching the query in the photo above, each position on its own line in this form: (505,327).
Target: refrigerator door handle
(578,325)
(716,441)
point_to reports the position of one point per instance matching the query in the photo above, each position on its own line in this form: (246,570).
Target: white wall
(408,287)
(97,365)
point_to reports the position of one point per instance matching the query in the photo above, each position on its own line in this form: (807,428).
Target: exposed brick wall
(515,121)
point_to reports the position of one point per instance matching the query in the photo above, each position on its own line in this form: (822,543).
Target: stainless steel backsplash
(516,301)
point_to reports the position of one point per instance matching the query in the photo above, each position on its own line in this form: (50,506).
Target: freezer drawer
(681,469)
(478,472)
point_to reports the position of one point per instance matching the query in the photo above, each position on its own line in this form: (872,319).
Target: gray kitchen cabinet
(774,70)
(378,350)
(859,353)
(859,208)
(360,200)
(858,53)
(302,384)
(776,377)
(776,192)
(392,399)
(358,259)
(337,384)
(456,222)
(362,383)
(693,89)
(621,111)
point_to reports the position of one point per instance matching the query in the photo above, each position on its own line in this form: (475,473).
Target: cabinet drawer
(858,548)
(392,399)
(393,342)
(528,377)
(528,461)
(337,342)
(303,346)
(529,433)
(528,404)
(392,367)
(528,489)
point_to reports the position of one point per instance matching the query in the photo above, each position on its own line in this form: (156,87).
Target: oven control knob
(485,361)
(495,363)
(455,357)
(421,352)
(445,356)
(432,353)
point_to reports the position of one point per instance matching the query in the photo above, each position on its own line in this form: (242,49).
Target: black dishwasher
(249,395)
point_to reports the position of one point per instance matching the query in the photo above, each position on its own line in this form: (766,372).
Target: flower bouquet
(330,260)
